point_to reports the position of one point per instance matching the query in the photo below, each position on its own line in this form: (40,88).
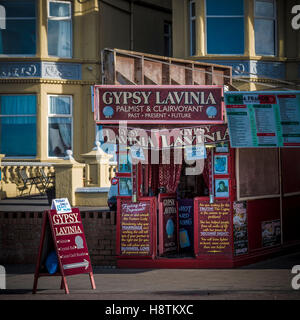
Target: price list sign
(263,119)
(213,234)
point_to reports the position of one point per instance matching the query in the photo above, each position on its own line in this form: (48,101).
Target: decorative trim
(254,68)
(46,81)
(46,70)
(92,190)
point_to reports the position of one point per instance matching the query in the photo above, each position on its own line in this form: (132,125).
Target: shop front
(186,197)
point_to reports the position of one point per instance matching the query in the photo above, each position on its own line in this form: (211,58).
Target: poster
(168,225)
(220,164)
(186,224)
(263,119)
(214,228)
(270,233)
(135,228)
(159,104)
(240,228)
(222,188)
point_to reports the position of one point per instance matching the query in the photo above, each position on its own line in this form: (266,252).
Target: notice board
(263,119)
(212,228)
(136,230)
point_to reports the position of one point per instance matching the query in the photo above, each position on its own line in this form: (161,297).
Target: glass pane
(264,9)
(18,136)
(59,9)
(19,37)
(125,186)
(19,8)
(264,37)
(60,105)
(60,136)
(225,35)
(124,163)
(224,8)
(59,38)
(12,105)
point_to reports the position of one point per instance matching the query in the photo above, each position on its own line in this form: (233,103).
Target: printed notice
(214,228)
(135,233)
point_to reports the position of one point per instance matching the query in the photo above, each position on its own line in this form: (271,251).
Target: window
(60,29)
(18,30)
(59,125)
(167,39)
(265,27)
(192,22)
(18,125)
(225,26)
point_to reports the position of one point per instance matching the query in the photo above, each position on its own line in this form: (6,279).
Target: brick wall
(20,236)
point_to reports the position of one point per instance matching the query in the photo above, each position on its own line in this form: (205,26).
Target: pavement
(267,280)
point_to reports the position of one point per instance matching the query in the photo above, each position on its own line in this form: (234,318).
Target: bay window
(18,125)
(265,27)
(18,27)
(59,125)
(225,27)
(60,29)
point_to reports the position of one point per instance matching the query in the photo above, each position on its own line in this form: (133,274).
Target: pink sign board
(159,104)
(70,243)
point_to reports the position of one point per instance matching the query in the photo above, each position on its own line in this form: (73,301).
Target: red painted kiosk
(187,199)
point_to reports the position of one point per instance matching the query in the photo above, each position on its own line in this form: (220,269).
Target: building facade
(256,37)
(50,56)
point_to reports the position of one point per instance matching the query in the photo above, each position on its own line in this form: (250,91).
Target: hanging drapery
(169,174)
(207,172)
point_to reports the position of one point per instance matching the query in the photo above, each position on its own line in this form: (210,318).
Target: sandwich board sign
(63,234)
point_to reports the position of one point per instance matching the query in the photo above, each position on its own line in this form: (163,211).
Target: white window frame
(69,17)
(36,33)
(274,18)
(55,115)
(223,16)
(192,19)
(21,115)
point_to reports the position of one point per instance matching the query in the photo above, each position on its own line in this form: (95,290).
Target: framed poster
(222,188)
(220,164)
(270,233)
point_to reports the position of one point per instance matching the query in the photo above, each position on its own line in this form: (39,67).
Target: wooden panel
(177,74)
(152,72)
(290,159)
(218,77)
(258,172)
(199,75)
(125,70)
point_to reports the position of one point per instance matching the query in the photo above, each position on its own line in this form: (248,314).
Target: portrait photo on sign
(221,164)
(222,188)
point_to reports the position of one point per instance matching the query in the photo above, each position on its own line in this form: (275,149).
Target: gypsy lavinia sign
(159,104)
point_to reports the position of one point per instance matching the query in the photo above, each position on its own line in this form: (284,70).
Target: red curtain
(207,170)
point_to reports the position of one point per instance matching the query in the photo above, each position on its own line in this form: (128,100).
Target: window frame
(168,36)
(54,115)
(2,55)
(192,19)
(274,19)
(22,115)
(222,16)
(52,18)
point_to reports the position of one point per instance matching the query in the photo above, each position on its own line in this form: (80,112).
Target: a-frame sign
(63,232)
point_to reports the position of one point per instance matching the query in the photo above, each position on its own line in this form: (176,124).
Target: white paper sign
(61,205)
